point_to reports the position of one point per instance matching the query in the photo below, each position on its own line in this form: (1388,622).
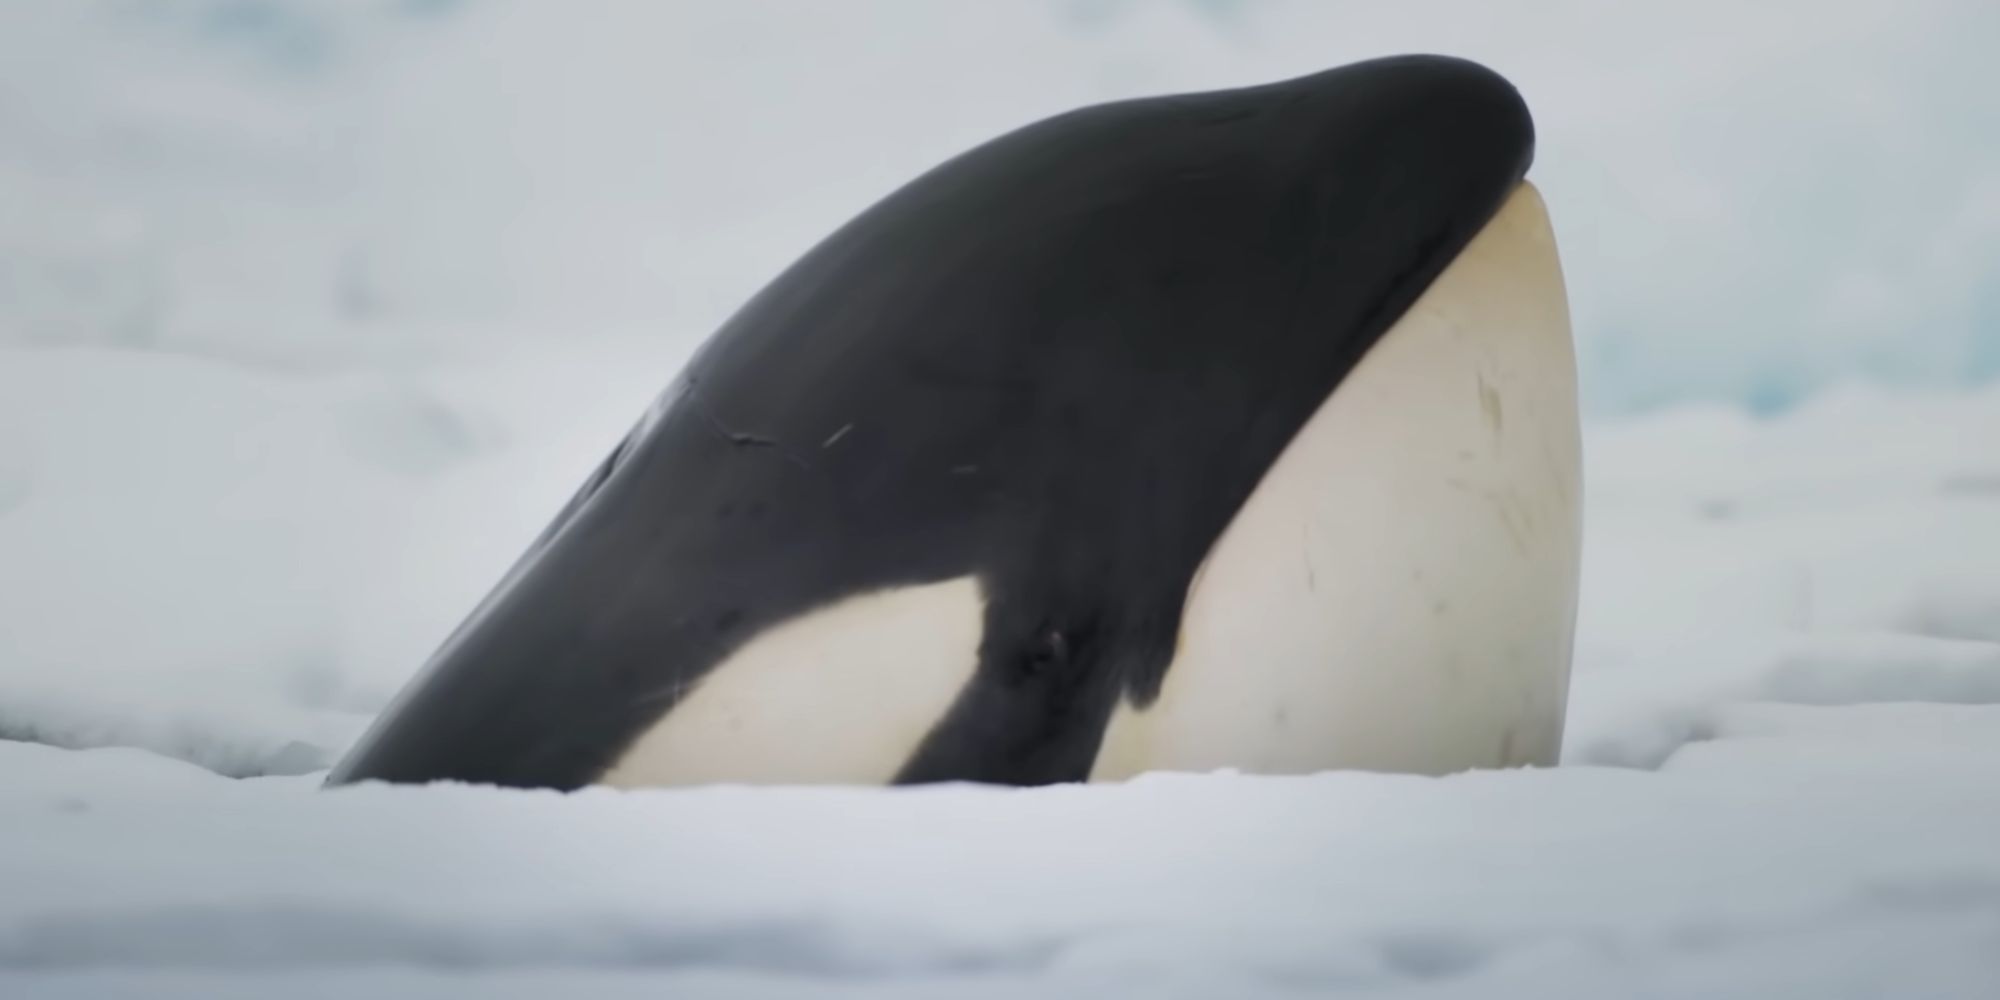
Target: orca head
(986,471)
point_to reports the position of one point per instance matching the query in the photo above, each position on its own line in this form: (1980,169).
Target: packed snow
(279,401)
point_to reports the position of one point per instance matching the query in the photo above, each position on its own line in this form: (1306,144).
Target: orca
(1224,430)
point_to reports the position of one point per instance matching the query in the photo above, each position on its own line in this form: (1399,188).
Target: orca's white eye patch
(842,694)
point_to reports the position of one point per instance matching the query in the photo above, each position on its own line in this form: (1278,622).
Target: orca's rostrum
(1222,430)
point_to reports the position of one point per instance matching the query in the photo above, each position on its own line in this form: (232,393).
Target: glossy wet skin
(1056,365)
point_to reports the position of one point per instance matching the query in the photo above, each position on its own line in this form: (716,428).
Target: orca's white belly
(1399,593)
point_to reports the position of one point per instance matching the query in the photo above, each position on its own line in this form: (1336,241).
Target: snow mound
(238,566)
(1639,715)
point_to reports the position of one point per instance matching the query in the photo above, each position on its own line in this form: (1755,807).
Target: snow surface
(279,400)
(1787,857)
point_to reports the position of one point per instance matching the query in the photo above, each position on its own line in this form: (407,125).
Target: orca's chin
(1399,594)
